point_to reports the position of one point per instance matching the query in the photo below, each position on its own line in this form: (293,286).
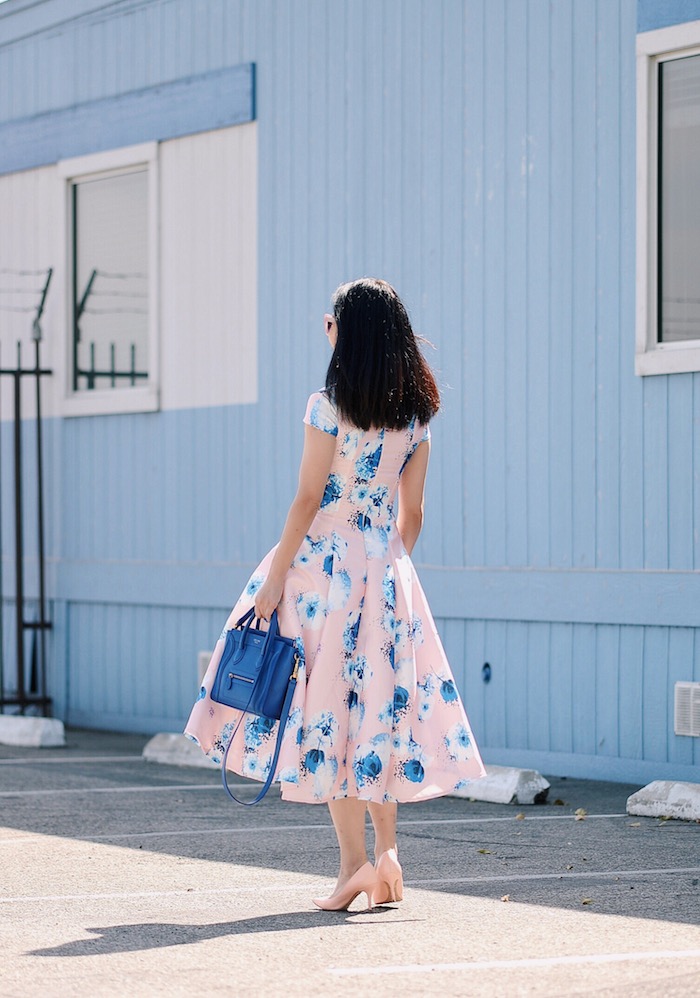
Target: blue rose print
(289,775)
(367,768)
(458,743)
(257,729)
(333,490)
(359,495)
(202,693)
(312,609)
(313,759)
(254,767)
(322,416)
(401,699)
(254,584)
(448,691)
(413,771)
(368,462)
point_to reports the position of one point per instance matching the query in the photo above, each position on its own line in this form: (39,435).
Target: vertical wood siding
(480,155)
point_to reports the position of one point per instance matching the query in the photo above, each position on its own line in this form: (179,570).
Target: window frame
(654,48)
(124,399)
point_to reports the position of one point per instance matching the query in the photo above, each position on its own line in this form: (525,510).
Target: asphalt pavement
(126,878)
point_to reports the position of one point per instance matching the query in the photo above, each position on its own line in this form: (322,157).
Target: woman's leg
(348,816)
(384,820)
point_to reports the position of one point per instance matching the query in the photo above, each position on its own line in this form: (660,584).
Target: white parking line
(71,758)
(535,962)
(293,888)
(115,790)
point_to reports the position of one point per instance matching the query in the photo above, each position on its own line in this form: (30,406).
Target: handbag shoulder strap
(291,686)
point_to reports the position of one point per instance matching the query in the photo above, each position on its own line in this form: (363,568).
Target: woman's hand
(268,597)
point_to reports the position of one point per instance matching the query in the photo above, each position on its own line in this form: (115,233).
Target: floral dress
(376,713)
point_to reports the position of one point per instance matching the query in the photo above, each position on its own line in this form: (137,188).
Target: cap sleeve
(320,413)
(422,433)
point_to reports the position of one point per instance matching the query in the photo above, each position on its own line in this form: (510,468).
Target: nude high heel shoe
(390,876)
(365,881)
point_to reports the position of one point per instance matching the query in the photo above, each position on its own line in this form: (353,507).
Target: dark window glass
(679,200)
(110,281)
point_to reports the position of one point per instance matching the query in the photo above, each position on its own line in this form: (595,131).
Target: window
(111,357)
(668,208)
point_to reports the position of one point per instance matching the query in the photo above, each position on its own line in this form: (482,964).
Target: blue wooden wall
(480,154)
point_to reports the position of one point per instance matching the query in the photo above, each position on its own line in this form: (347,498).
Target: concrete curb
(507,785)
(666,799)
(501,785)
(31,732)
(176,750)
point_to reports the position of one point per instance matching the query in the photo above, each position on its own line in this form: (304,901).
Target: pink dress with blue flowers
(376,713)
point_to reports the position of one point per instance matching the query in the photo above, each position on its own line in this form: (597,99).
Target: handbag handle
(247,619)
(291,686)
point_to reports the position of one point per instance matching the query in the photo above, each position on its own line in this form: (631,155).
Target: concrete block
(31,732)
(507,785)
(176,750)
(666,799)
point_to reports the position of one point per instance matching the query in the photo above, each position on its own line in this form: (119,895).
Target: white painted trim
(672,39)
(113,159)
(141,398)
(654,47)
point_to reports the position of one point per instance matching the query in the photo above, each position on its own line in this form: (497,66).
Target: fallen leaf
(665,817)
(559,802)
(580,813)
(506,897)
(634,824)
(587,901)
(520,816)
(484,852)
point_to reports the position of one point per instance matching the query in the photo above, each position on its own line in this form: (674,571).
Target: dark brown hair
(377,375)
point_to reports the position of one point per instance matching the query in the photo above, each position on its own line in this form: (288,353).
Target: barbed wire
(122,277)
(24,273)
(115,311)
(118,294)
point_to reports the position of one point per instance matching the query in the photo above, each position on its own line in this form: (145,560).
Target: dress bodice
(367,465)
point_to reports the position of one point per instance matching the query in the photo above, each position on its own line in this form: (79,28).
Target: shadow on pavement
(156,935)
(607,862)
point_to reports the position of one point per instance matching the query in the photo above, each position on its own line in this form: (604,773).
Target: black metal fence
(29,688)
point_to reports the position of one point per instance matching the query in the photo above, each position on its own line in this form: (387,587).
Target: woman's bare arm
(411,496)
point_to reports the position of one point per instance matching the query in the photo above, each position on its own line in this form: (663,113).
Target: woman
(376,718)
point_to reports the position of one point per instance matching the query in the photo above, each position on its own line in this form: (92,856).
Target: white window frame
(139,398)
(653,48)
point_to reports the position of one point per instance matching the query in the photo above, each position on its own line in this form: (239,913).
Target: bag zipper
(242,679)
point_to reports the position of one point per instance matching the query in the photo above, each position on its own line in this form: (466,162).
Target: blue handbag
(257,674)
